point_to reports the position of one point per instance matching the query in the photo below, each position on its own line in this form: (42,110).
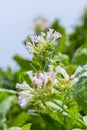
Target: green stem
(8,91)
(65,110)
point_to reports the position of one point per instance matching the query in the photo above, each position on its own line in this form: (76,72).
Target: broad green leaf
(3,96)
(20,119)
(52,124)
(80,94)
(80,56)
(24,63)
(25,127)
(58,116)
(9,78)
(73,109)
(69,122)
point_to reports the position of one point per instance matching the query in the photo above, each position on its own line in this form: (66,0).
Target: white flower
(29,47)
(41,24)
(24,98)
(39,81)
(43,34)
(55,82)
(79,69)
(79,73)
(24,86)
(62,71)
(22,101)
(52,35)
(25,94)
(39,41)
(49,34)
(56,35)
(73,78)
(42,79)
(51,68)
(30,74)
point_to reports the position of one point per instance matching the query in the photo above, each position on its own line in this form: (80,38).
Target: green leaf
(80,94)
(3,96)
(24,77)
(52,124)
(9,78)
(56,115)
(20,119)
(69,123)
(26,127)
(80,56)
(24,63)
(73,109)
(6,105)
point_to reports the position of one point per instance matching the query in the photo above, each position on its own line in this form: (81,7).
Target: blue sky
(16,18)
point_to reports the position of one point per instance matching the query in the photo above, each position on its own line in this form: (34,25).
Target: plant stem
(8,91)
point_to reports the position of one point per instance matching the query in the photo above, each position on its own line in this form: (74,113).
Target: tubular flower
(40,24)
(41,88)
(44,84)
(40,42)
(25,94)
(69,79)
(42,79)
(52,35)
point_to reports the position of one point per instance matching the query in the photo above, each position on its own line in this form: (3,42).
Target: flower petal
(79,69)
(62,71)
(23,86)
(30,73)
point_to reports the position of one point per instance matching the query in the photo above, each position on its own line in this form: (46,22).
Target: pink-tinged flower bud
(57,35)
(29,47)
(52,35)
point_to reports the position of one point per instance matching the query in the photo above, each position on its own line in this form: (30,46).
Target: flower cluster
(44,84)
(42,79)
(41,85)
(38,43)
(40,24)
